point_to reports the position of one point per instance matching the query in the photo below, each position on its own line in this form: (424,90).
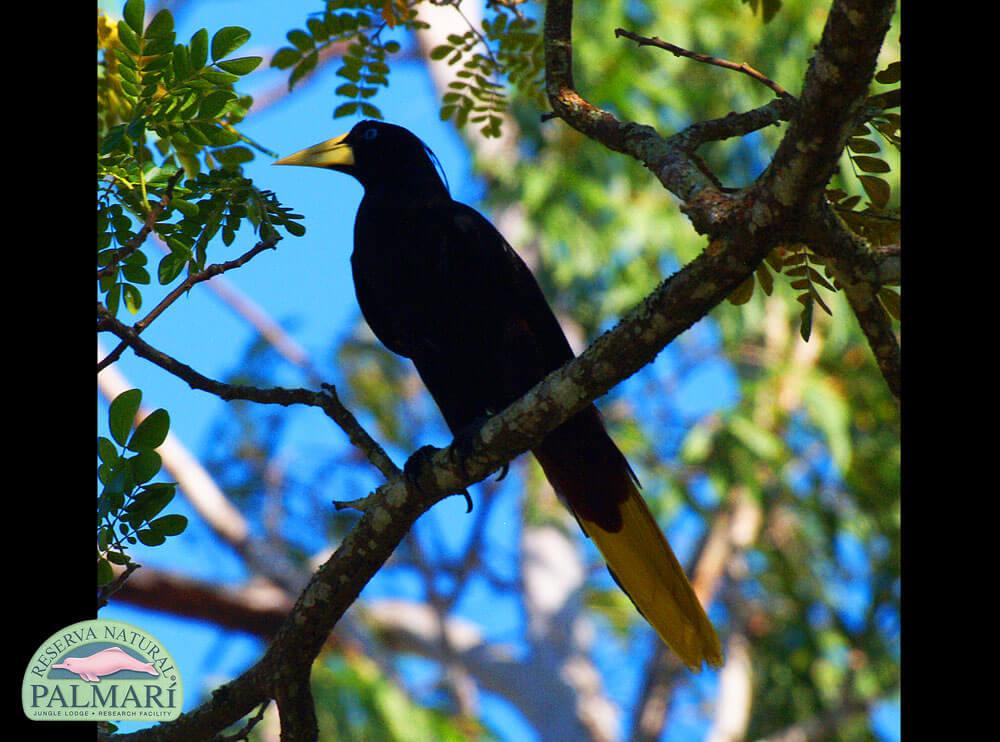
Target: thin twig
(326,400)
(742,67)
(105,593)
(182,288)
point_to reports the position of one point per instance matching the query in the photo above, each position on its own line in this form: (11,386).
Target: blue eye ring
(370,134)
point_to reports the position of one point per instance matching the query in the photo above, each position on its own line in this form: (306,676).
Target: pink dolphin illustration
(106,662)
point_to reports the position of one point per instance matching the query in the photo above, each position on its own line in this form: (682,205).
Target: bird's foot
(415,464)
(464,446)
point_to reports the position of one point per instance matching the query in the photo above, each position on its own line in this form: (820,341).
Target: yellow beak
(331,153)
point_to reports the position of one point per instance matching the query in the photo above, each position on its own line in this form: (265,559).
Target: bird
(438,284)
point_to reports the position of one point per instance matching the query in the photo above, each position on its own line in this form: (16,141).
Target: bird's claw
(411,472)
(413,465)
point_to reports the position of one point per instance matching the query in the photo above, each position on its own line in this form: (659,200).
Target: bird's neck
(410,191)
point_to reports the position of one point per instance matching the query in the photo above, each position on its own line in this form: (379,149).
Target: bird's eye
(370,134)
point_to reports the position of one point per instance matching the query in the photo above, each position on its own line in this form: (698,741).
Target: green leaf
(877,189)
(217,77)
(199,49)
(152,499)
(697,444)
(182,62)
(213,103)
(871,164)
(132,297)
(890,74)
(300,40)
(105,573)
(232,156)
(805,326)
(107,450)
(345,109)
(348,90)
(303,68)
(150,537)
(295,229)
(121,413)
(170,267)
(227,40)
(161,27)
(241,65)
(285,57)
(129,38)
(151,432)
(350,73)
(440,52)
(742,293)
(862,145)
(116,557)
(134,14)
(136,274)
(170,525)
(145,466)
(184,206)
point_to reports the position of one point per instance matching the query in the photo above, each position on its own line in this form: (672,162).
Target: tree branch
(182,288)
(833,95)
(859,271)
(677,51)
(326,400)
(786,203)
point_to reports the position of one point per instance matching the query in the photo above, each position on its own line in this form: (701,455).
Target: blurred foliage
(355,701)
(813,437)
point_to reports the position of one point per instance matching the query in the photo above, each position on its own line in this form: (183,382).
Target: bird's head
(381,156)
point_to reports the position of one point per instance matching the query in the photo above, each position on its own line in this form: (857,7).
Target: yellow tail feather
(647,570)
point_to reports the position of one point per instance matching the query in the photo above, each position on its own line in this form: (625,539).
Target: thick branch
(833,95)
(860,272)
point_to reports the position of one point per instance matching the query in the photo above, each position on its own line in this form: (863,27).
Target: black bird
(438,284)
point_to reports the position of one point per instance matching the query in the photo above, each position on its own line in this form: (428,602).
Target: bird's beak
(333,153)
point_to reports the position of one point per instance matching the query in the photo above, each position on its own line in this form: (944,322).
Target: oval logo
(101,670)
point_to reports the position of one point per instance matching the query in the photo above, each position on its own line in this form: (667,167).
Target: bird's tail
(592,476)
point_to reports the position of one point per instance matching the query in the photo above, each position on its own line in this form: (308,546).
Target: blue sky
(306,282)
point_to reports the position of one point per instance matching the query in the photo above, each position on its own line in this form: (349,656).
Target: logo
(101,671)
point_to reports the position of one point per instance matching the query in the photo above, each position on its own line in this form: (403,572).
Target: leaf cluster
(799,264)
(129,504)
(510,46)
(356,701)
(181,94)
(357,26)
(165,110)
